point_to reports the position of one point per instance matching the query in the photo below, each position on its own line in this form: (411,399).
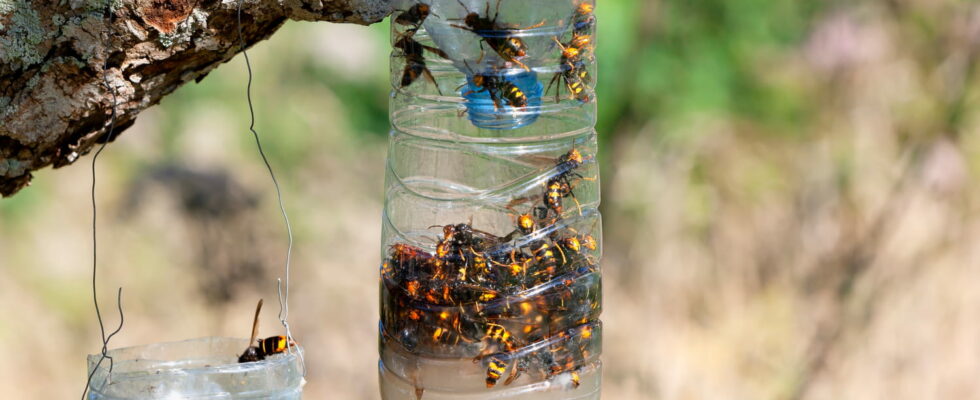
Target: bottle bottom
(438,384)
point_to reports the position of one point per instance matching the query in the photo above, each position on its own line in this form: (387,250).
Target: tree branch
(53,104)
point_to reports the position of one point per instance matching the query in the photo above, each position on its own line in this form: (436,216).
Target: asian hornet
(583,20)
(415,66)
(573,72)
(499,37)
(414,16)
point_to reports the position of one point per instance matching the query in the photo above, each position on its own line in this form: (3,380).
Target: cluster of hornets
(526,302)
(576,53)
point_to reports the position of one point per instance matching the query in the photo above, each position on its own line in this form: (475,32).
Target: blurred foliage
(689,58)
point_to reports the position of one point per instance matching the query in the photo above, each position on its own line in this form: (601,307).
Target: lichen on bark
(23,34)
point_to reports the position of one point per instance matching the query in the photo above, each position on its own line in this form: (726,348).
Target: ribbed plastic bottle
(491,242)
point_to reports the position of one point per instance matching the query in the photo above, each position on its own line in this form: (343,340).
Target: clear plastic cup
(205,368)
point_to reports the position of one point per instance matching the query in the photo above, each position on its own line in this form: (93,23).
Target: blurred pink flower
(842,40)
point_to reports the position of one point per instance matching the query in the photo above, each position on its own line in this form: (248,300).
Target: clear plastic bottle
(490,280)
(205,368)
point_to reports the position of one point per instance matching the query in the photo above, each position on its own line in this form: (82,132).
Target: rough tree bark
(54,105)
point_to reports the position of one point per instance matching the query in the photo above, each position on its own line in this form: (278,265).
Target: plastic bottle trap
(491,280)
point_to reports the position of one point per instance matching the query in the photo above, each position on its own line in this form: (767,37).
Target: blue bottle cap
(482,111)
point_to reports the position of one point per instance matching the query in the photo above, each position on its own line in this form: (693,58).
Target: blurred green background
(790,207)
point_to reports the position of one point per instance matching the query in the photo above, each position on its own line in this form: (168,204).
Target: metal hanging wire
(283,294)
(95,253)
